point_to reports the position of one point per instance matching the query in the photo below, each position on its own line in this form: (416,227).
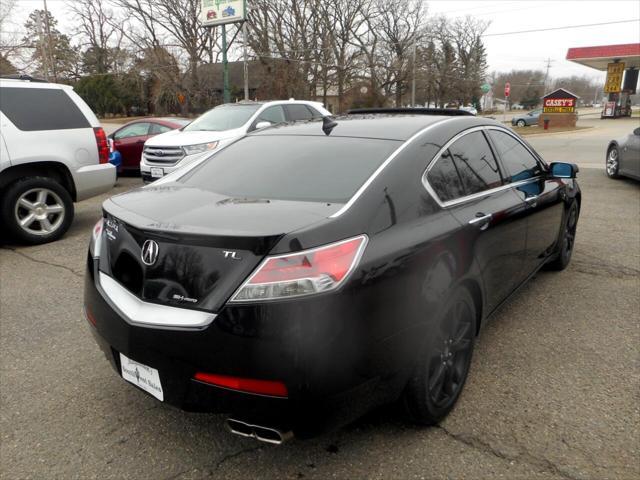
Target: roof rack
(22,76)
(410,110)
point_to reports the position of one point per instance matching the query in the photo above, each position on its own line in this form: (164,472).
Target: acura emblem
(149,252)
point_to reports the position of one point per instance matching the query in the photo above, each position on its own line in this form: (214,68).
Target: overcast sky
(518,51)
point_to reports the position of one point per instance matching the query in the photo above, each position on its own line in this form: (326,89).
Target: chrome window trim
(383,165)
(139,312)
(485,193)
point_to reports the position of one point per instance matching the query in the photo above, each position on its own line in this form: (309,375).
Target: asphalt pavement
(554,389)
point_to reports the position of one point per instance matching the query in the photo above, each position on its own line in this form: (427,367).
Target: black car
(303,275)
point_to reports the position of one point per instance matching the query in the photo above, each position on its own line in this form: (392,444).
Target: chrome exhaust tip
(261,433)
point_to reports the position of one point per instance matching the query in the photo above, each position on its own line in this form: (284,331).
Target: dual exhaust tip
(264,434)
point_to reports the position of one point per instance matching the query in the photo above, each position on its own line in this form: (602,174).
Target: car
(129,139)
(527,119)
(216,128)
(623,157)
(470,109)
(305,274)
(53,152)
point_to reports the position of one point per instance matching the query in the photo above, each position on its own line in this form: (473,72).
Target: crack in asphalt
(236,454)
(44,262)
(524,457)
(209,469)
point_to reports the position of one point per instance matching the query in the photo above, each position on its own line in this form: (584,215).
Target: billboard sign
(559,105)
(218,12)
(614,77)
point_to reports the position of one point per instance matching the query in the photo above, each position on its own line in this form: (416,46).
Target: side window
(273,114)
(31,109)
(444,179)
(299,112)
(156,128)
(133,130)
(520,164)
(475,163)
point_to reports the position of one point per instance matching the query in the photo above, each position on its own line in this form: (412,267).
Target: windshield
(283,167)
(224,117)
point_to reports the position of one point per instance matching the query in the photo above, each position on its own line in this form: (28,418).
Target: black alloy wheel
(442,370)
(568,239)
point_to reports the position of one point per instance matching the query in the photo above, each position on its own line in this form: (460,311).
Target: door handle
(481,220)
(532,201)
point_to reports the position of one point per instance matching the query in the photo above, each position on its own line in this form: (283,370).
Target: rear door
(542,196)
(129,141)
(467,181)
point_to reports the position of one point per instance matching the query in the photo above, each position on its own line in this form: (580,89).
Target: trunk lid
(207,244)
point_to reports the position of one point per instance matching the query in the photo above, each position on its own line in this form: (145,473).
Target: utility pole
(245,66)
(48,31)
(413,79)
(226,95)
(43,52)
(546,75)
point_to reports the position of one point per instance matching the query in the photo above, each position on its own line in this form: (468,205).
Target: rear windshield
(224,117)
(31,109)
(304,168)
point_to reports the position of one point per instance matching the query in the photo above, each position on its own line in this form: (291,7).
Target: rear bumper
(93,180)
(322,349)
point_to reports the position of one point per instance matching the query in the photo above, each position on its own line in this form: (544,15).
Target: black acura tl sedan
(306,274)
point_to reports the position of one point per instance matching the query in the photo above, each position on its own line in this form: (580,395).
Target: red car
(129,139)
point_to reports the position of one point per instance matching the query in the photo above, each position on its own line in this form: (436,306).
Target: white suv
(219,126)
(53,152)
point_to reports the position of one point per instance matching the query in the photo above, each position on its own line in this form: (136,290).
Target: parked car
(526,119)
(623,156)
(217,128)
(53,152)
(129,139)
(305,274)
(470,109)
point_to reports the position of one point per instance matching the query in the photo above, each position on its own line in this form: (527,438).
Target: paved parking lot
(554,390)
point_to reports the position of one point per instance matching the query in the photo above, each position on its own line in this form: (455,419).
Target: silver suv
(216,128)
(53,152)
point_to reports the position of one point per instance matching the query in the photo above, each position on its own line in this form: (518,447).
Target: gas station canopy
(599,57)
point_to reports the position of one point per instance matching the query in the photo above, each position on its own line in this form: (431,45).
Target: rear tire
(442,369)
(567,242)
(36,210)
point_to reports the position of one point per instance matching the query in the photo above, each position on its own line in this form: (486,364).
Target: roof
(560,93)
(390,127)
(599,56)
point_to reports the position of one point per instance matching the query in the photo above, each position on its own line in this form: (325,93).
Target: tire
(567,241)
(521,123)
(612,164)
(442,368)
(42,204)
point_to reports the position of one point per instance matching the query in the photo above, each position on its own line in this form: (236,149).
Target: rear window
(304,168)
(32,109)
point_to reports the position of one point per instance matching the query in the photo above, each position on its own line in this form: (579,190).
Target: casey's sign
(559,105)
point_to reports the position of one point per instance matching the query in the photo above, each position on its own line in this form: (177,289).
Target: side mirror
(263,124)
(637,131)
(563,170)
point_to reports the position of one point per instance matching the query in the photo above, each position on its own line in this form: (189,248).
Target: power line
(565,27)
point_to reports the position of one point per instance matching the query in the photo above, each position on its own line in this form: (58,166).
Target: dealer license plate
(145,377)
(157,172)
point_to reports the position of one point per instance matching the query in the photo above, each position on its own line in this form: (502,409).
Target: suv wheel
(36,210)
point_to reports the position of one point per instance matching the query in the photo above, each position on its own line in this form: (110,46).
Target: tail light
(303,273)
(103,146)
(249,385)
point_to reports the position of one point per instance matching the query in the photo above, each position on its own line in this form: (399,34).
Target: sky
(505,52)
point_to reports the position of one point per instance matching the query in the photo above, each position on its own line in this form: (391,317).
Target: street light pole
(226,95)
(245,66)
(413,80)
